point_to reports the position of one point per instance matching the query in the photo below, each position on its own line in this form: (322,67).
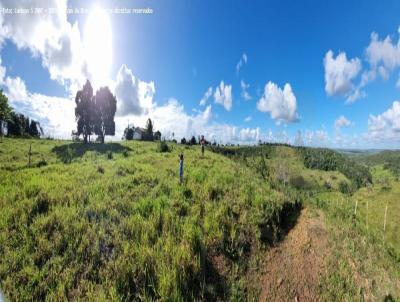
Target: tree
(183,141)
(149,130)
(5,111)
(84,111)
(157,135)
(35,130)
(193,141)
(104,108)
(129,132)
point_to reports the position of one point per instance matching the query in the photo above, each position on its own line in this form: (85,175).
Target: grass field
(112,222)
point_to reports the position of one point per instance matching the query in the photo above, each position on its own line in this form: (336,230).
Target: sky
(315,73)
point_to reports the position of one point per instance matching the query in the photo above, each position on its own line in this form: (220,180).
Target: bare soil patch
(295,268)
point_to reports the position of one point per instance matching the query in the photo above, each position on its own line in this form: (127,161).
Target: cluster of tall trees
(95,113)
(329,160)
(17,124)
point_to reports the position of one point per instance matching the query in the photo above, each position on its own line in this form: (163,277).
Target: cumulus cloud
(133,95)
(242,61)
(342,121)
(50,37)
(223,95)
(16,89)
(281,104)
(383,55)
(245,94)
(339,73)
(385,127)
(56,115)
(248,119)
(206,96)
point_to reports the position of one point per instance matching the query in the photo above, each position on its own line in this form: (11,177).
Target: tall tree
(105,106)
(149,130)
(84,111)
(129,132)
(35,130)
(5,111)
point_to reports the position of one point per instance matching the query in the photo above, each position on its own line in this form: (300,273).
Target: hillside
(112,222)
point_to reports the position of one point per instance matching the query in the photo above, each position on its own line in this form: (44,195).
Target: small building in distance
(139,133)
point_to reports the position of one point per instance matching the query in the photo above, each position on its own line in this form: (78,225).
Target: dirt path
(295,267)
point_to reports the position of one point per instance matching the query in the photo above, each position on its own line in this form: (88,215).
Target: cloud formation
(134,96)
(385,127)
(342,121)
(281,104)
(16,89)
(49,37)
(223,95)
(242,61)
(339,73)
(245,94)
(206,96)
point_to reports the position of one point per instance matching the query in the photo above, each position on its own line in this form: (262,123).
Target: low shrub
(163,147)
(41,163)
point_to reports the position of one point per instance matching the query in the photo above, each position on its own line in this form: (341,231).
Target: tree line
(329,160)
(18,125)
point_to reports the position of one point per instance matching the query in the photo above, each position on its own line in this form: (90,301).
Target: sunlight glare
(98,46)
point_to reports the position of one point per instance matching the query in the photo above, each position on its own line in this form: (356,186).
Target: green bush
(298,182)
(67,155)
(163,147)
(344,187)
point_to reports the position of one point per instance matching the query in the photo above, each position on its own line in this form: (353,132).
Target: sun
(98,46)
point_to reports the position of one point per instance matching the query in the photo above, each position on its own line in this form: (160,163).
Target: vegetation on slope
(329,160)
(111,222)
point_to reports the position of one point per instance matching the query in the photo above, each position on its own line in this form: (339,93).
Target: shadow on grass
(280,224)
(75,150)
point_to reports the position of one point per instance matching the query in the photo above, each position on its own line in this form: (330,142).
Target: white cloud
(245,94)
(16,89)
(56,115)
(134,96)
(342,121)
(207,113)
(280,103)
(50,37)
(248,119)
(2,73)
(316,138)
(242,61)
(339,73)
(385,127)
(223,95)
(383,55)
(206,96)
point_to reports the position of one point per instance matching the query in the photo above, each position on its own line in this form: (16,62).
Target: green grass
(111,222)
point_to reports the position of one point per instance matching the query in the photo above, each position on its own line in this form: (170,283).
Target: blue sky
(328,71)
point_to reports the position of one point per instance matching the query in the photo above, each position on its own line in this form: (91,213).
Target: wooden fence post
(355,209)
(384,223)
(367,214)
(29,155)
